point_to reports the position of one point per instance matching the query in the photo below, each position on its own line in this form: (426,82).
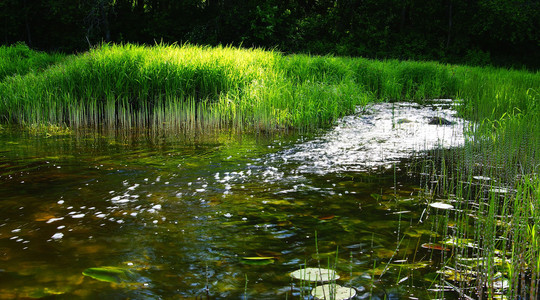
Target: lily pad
(412,266)
(325,256)
(333,291)
(501,283)
(439,121)
(403,121)
(481,178)
(46,292)
(459,275)
(109,274)
(258,257)
(315,274)
(257,261)
(441,205)
(269,253)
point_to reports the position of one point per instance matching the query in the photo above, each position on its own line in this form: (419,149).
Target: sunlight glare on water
(380,135)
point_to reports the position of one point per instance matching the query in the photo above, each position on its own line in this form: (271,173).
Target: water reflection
(181,212)
(382,135)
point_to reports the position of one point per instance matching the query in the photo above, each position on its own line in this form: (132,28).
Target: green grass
(20,60)
(126,86)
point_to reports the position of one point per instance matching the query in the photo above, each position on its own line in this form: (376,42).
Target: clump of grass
(121,85)
(20,60)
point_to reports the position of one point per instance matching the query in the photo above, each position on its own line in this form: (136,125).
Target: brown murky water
(180,214)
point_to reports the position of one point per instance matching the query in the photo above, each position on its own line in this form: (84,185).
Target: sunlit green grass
(126,86)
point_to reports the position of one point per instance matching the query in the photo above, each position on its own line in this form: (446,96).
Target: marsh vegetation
(239,157)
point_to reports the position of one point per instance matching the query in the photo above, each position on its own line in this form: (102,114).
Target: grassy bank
(186,86)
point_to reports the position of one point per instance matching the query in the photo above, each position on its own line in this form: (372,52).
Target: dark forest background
(477,32)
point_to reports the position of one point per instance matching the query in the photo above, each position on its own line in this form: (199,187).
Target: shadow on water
(185,215)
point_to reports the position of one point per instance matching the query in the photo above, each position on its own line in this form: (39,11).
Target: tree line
(470,31)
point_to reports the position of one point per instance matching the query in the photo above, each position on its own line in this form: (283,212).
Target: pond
(224,216)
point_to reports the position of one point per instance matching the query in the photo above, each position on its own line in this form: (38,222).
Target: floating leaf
(315,274)
(412,266)
(45,292)
(269,253)
(441,205)
(333,291)
(499,190)
(435,246)
(252,261)
(109,274)
(324,256)
(403,121)
(327,217)
(258,257)
(419,232)
(460,276)
(383,253)
(500,284)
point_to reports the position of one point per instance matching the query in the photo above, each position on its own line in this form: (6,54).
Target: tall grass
(20,60)
(190,86)
(495,184)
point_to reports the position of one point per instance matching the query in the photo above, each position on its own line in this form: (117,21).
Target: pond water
(185,216)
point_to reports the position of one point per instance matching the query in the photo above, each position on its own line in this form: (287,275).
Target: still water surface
(180,212)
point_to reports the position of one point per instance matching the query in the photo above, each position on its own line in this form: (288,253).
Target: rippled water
(381,135)
(180,212)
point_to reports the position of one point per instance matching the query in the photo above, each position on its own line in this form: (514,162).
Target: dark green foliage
(480,32)
(19,60)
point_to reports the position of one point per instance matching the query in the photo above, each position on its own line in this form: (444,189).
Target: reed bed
(126,86)
(494,185)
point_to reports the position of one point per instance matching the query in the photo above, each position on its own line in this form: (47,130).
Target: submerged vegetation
(491,227)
